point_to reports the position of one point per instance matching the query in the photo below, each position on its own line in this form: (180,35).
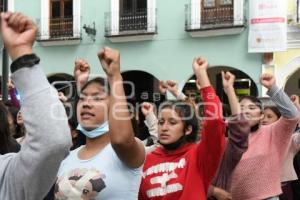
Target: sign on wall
(267,26)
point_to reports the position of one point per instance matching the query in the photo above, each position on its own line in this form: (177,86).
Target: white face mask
(97,132)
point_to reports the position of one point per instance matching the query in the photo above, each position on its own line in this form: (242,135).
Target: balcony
(130,26)
(59,30)
(213,21)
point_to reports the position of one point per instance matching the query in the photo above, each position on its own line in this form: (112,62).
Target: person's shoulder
(5,160)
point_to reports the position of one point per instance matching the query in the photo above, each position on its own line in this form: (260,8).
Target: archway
(141,86)
(284,73)
(292,85)
(244,85)
(63,83)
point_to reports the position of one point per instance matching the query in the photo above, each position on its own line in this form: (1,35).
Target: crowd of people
(92,150)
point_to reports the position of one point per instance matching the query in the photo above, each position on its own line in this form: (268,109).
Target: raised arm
(81,73)
(211,147)
(279,97)
(150,118)
(237,144)
(129,149)
(172,87)
(151,123)
(30,173)
(239,128)
(286,125)
(228,81)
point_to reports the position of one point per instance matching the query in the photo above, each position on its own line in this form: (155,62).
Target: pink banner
(268,20)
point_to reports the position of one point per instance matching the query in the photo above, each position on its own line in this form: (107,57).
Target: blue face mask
(97,132)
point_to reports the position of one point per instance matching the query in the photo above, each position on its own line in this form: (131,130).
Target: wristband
(28,60)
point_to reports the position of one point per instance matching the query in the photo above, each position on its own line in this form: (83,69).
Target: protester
(29,174)
(109,165)
(179,168)
(7,143)
(236,145)
(257,175)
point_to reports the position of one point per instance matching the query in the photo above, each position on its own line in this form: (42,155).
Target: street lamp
(4,91)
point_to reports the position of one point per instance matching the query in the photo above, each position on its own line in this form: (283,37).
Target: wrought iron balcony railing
(142,21)
(212,18)
(58,28)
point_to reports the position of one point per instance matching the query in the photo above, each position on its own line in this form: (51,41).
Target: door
(216,12)
(133,15)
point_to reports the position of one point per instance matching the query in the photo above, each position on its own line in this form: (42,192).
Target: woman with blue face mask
(109,165)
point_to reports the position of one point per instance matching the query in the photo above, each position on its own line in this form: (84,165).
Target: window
(131,20)
(217,12)
(210,17)
(133,15)
(60,22)
(61,18)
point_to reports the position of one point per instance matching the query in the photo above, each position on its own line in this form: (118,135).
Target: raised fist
(18,34)
(81,71)
(227,79)
(147,108)
(199,64)
(110,61)
(172,86)
(267,80)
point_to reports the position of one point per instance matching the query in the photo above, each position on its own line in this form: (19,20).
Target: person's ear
(188,130)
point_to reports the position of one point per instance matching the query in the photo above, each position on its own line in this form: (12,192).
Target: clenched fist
(147,108)
(18,34)
(268,80)
(227,80)
(81,71)
(110,61)
(199,64)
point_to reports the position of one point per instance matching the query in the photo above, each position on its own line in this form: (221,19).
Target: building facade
(157,40)
(286,65)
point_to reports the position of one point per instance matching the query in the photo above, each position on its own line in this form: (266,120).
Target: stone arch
(244,85)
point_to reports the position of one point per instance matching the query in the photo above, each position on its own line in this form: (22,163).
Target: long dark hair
(7,143)
(274,109)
